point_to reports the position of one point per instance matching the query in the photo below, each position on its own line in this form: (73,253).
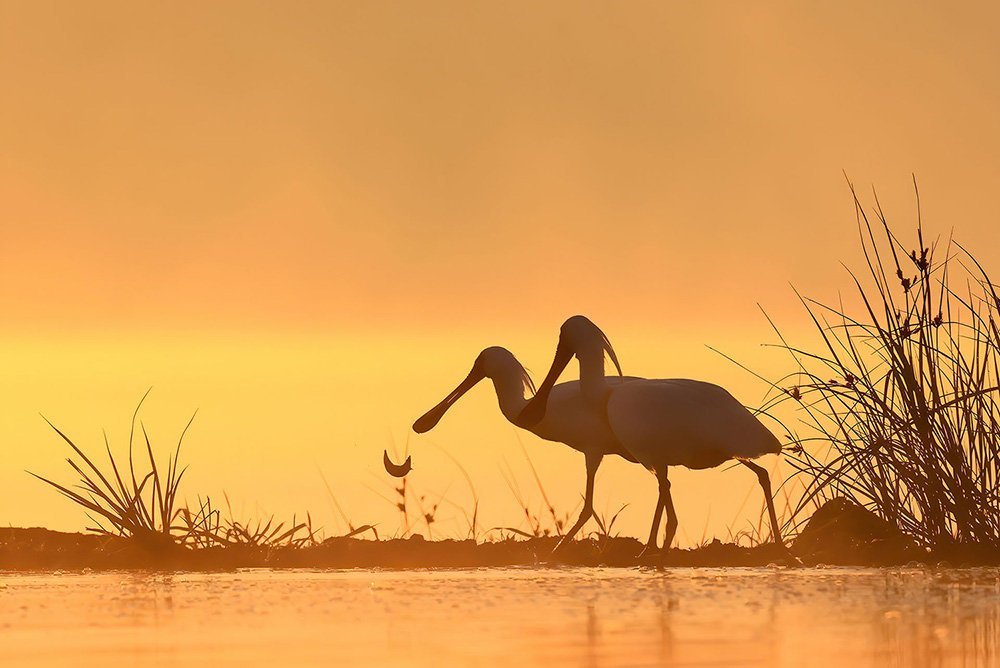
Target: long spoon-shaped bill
(427,421)
(534,410)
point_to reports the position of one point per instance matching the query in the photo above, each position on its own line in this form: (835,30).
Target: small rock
(843,533)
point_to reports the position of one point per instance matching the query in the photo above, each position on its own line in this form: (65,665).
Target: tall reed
(903,390)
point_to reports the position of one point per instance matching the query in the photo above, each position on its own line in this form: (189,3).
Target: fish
(397,470)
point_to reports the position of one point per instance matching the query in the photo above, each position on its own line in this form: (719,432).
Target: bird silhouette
(569,418)
(660,423)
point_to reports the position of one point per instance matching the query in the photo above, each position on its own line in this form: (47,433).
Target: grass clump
(135,502)
(904,390)
(205,528)
(138,499)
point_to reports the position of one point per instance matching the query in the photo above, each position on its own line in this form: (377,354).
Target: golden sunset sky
(307,219)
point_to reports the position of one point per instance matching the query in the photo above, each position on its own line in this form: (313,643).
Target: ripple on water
(551,617)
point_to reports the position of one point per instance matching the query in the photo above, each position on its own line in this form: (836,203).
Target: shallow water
(550,617)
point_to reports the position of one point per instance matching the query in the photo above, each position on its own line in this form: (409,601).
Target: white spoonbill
(662,423)
(568,419)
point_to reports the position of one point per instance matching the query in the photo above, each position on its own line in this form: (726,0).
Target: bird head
(578,337)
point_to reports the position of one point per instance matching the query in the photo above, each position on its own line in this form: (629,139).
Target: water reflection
(557,617)
(943,618)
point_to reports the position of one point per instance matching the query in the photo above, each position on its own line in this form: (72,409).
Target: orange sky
(179,184)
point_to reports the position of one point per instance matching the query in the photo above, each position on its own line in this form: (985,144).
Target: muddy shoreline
(838,534)
(43,549)
(38,549)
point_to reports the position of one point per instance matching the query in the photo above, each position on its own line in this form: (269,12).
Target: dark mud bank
(839,533)
(42,549)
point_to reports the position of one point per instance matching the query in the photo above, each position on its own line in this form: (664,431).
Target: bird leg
(765,483)
(593,461)
(655,528)
(668,504)
(662,502)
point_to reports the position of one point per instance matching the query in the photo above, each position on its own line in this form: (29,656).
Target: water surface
(491,617)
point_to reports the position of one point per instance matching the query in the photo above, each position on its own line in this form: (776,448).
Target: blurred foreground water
(496,617)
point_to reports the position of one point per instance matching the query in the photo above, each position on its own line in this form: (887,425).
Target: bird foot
(560,546)
(790,559)
(649,552)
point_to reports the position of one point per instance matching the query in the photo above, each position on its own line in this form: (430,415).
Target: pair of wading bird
(655,423)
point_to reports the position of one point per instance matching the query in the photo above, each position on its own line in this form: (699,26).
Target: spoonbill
(662,423)
(568,419)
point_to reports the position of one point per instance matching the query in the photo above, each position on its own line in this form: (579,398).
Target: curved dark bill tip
(397,470)
(534,410)
(427,421)
(532,413)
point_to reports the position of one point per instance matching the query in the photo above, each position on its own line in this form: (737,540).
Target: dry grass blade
(358,530)
(519,532)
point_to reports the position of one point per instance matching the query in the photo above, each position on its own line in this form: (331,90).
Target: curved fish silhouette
(397,470)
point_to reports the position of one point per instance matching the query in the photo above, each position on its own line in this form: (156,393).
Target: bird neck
(593,386)
(510,394)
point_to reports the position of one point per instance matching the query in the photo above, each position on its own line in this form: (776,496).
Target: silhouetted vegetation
(900,416)
(121,501)
(900,398)
(139,522)
(136,499)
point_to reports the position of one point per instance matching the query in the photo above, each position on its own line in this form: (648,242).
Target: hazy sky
(427,171)
(336,164)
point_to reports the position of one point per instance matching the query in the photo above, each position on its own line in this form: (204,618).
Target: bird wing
(681,422)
